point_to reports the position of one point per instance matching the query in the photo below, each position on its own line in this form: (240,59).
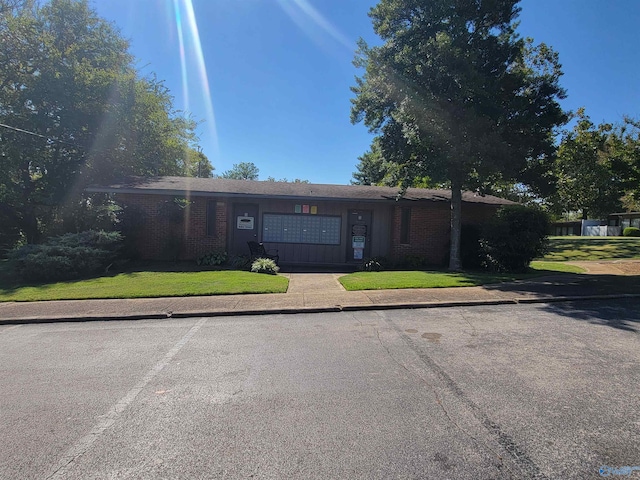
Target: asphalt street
(492,392)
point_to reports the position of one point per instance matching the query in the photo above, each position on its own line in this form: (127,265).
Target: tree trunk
(30,226)
(456,225)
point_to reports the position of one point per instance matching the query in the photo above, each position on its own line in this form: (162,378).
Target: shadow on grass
(592,248)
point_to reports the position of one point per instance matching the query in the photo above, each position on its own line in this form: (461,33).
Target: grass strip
(552,267)
(433,279)
(592,248)
(150,284)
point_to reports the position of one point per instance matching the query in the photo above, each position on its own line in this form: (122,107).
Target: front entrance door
(245,227)
(359,235)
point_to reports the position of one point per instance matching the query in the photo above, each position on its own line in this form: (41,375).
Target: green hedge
(631,232)
(514,237)
(67,257)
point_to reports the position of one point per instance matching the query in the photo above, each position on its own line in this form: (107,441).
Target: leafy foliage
(456,96)
(77,113)
(196,164)
(286,180)
(242,171)
(515,236)
(597,168)
(264,265)
(372,168)
(68,256)
(212,259)
(586,171)
(239,262)
(631,232)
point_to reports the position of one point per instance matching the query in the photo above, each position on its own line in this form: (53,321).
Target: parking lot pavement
(510,391)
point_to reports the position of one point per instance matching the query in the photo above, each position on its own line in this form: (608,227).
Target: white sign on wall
(245,223)
(357,241)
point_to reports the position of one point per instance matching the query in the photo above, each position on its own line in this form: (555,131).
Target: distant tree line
(249,171)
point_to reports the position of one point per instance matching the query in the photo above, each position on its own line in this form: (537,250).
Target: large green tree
(455,95)
(74,111)
(196,164)
(242,171)
(372,168)
(625,146)
(589,169)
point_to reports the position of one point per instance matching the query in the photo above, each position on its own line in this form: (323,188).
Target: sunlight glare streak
(191,28)
(183,59)
(305,12)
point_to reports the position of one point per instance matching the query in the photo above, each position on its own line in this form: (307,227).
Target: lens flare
(191,48)
(190,45)
(183,62)
(305,16)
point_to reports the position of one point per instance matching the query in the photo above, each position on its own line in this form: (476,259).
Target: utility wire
(20,130)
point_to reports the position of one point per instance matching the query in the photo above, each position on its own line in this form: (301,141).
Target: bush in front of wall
(265,265)
(239,262)
(212,259)
(631,232)
(67,257)
(515,236)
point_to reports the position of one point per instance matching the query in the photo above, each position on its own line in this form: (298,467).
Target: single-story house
(566,228)
(625,219)
(308,224)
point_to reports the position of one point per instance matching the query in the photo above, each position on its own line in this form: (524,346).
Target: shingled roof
(281,190)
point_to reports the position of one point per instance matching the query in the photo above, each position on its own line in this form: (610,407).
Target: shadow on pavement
(623,316)
(570,284)
(614,313)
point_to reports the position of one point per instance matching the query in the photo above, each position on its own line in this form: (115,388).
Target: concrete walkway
(314,282)
(610,267)
(316,292)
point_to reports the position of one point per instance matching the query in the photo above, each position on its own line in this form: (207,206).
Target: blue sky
(270,80)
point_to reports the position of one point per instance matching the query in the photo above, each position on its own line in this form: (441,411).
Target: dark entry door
(244,226)
(359,235)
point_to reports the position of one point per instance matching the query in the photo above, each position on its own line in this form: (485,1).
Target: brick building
(308,224)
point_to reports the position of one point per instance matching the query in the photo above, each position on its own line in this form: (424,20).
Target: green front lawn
(434,279)
(149,284)
(592,248)
(553,267)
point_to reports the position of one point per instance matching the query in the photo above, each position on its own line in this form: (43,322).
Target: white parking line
(108,419)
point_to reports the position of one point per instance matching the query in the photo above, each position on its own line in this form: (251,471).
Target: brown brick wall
(192,232)
(430,227)
(428,231)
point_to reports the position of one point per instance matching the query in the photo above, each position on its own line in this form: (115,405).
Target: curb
(329,309)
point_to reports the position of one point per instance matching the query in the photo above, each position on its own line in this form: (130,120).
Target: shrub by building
(67,257)
(514,237)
